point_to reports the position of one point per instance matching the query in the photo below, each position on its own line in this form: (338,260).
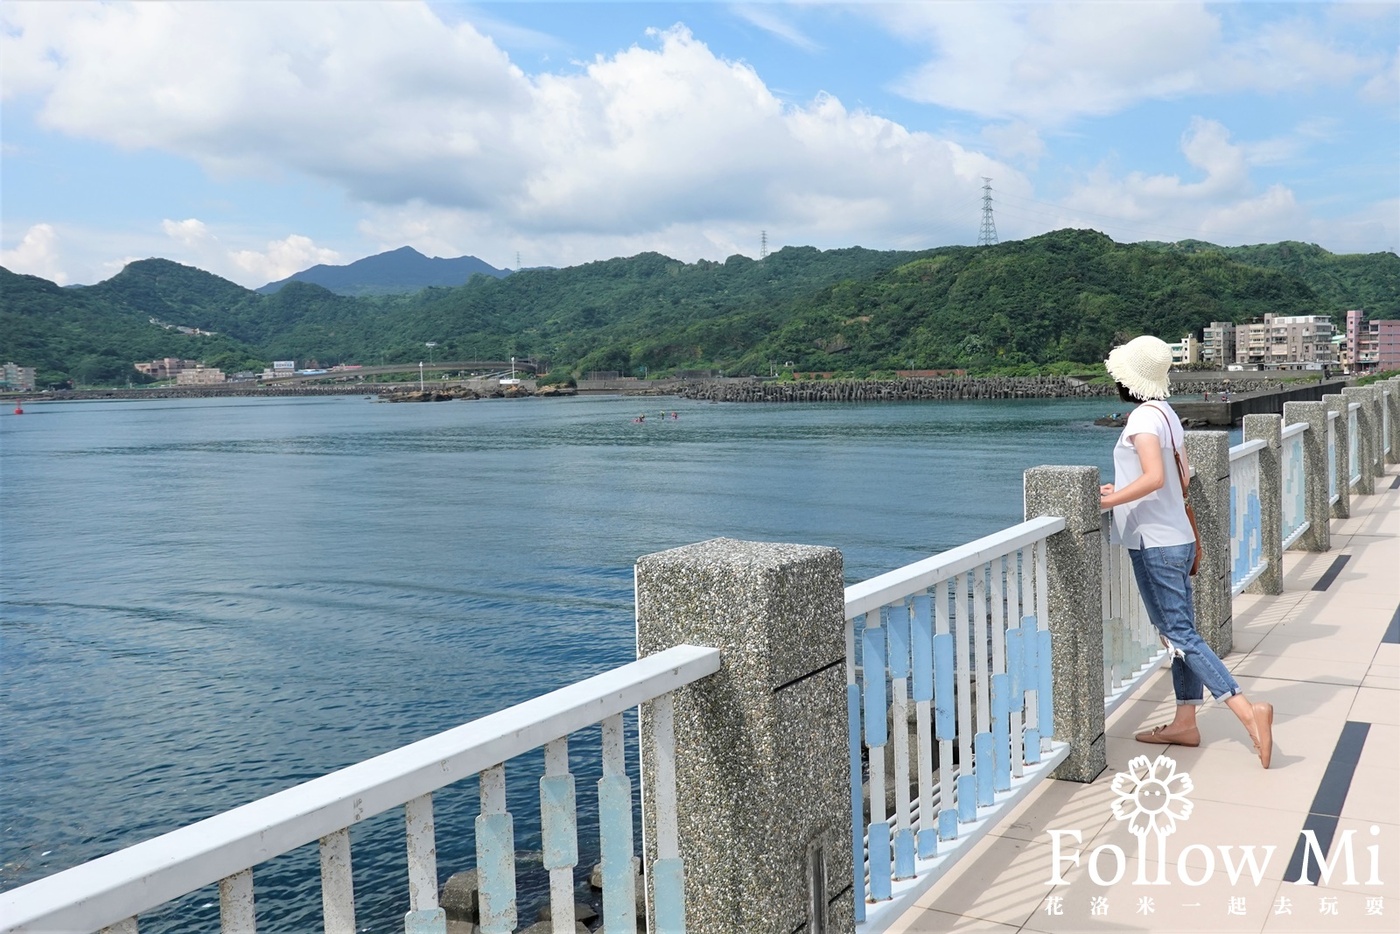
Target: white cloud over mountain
(445,143)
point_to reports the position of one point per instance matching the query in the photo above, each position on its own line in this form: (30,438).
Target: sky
(254,138)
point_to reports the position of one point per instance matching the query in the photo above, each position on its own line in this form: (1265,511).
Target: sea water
(207,601)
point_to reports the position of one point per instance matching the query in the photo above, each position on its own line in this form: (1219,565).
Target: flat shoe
(1160,736)
(1264,725)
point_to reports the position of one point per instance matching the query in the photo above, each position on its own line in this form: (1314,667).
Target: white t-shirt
(1159,518)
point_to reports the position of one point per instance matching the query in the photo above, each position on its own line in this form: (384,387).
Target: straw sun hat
(1141,365)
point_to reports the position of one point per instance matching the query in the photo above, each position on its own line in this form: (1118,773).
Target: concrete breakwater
(911,389)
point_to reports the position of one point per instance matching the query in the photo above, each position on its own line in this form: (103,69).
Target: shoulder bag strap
(1176,455)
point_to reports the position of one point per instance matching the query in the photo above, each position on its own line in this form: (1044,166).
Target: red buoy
(19,409)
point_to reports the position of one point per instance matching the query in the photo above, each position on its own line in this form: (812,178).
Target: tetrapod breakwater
(911,389)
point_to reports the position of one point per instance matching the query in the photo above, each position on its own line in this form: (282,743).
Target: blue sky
(256,139)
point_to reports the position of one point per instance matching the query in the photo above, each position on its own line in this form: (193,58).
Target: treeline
(1012,309)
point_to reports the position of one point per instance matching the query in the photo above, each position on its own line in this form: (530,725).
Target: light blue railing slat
(559,822)
(495,863)
(897,625)
(1045,701)
(947,824)
(904,854)
(945,714)
(668,896)
(880,879)
(967,795)
(876,701)
(1001,732)
(921,639)
(985,771)
(615,839)
(1015,668)
(857,808)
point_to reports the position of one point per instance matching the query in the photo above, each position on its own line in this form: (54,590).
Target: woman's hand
(1106,489)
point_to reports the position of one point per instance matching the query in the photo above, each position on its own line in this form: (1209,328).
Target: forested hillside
(1064,296)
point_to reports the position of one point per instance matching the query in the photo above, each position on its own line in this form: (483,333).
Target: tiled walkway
(1329,661)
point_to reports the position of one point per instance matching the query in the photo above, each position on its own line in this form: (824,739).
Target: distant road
(447,366)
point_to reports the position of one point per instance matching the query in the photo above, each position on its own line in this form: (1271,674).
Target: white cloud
(36,255)
(1051,63)
(764,18)
(281,258)
(192,232)
(396,108)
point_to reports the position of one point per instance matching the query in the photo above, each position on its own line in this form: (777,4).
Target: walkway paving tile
(1319,657)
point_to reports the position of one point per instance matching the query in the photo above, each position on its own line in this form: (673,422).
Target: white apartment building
(1187,350)
(1218,344)
(1286,342)
(199,376)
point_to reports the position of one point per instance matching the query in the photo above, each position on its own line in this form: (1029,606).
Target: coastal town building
(17,377)
(200,376)
(1372,345)
(1186,351)
(165,368)
(280,369)
(1218,344)
(1285,342)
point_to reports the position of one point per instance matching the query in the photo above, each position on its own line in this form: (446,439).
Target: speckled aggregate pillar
(1392,405)
(1317,511)
(761,747)
(1366,438)
(1074,570)
(1269,429)
(1209,455)
(1336,402)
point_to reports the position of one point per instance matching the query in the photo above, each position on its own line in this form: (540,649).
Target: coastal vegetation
(1049,305)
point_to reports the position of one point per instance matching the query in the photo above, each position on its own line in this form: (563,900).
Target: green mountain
(1341,281)
(394,272)
(1064,296)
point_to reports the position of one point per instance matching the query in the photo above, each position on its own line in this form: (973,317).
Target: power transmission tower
(763,245)
(517,260)
(987,236)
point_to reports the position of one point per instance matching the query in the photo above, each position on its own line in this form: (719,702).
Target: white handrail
(1297,428)
(134,880)
(1244,449)
(894,585)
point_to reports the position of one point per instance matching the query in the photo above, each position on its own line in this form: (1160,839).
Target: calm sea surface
(206,601)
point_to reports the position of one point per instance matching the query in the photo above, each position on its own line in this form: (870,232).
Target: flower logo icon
(1152,796)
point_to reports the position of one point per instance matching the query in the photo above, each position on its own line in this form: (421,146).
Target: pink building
(1373,345)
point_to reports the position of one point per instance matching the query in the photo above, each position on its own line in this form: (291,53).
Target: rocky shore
(893,390)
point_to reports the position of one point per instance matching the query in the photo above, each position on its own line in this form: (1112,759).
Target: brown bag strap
(1176,455)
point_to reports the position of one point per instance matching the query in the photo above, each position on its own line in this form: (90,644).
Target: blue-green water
(206,601)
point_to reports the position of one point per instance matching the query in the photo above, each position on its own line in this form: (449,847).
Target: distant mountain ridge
(396,272)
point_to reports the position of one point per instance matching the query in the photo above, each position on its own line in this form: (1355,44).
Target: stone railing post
(1209,455)
(1336,402)
(763,798)
(1316,510)
(1366,438)
(1074,571)
(1391,403)
(1269,429)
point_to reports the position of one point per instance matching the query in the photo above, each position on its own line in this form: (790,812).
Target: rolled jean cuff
(1230,693)
(1189,703)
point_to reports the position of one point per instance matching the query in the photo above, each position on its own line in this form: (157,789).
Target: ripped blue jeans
(1164,580)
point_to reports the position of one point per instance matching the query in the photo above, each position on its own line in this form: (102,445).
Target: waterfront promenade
(1326,654)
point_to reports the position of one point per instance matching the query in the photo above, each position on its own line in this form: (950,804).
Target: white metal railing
(1354,437)
(967,630)
(110,892)
(1246,519)
(1332,494)
(1131,646)
(1293,484)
